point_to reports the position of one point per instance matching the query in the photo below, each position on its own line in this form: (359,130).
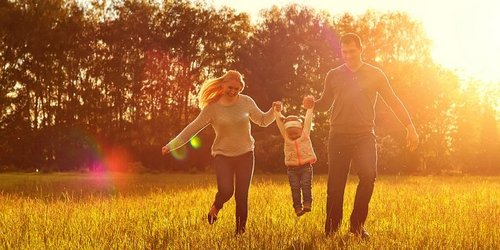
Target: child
(299,156)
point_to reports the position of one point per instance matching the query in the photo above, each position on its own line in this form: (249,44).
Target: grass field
(120,211)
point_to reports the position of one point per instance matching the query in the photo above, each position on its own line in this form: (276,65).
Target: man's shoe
(331,228)
(239,231)
(330,233)
(360,231)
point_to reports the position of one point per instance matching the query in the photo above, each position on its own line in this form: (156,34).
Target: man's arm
(324,103)
(399,110)
(393,101)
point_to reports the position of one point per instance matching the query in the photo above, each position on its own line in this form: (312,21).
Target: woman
(229,112)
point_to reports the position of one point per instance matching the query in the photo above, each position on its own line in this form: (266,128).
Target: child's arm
(277,115)
(279,123)
(308,121)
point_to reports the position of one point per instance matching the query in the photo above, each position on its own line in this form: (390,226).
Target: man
(352,89)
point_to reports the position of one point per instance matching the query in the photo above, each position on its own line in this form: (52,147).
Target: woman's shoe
(307,207)
(299,211)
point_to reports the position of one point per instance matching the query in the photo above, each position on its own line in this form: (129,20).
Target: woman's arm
(198,124)
(257,116)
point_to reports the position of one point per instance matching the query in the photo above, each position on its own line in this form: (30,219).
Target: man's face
(351,53)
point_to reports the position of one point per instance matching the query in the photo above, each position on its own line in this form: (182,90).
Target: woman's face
(231,88)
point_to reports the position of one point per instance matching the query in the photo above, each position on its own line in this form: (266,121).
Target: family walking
(350,92)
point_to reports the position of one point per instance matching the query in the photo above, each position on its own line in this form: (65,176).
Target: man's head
(351,49)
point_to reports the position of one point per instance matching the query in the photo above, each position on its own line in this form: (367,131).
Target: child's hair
(211,89)
(292,121)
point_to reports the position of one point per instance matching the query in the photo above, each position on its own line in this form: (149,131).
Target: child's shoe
(307,207)
(299,211)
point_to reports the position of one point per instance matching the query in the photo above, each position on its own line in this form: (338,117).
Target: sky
(465,34)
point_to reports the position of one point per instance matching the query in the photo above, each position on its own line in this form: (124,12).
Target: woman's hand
(165,150)
(277,106)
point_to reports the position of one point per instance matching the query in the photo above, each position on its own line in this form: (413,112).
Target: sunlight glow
(465,34)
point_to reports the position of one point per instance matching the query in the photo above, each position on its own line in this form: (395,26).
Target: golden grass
(84,211)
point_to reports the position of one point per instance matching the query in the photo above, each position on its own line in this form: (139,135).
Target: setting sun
(465,34)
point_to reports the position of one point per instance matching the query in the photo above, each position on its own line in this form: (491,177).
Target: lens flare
(180,153)
(116,159)
(195,142)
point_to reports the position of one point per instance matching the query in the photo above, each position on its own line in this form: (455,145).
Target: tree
(286,57)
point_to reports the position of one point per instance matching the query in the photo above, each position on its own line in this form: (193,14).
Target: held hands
(277,106)
(308,102)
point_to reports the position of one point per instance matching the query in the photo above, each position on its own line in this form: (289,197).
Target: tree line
(105,84)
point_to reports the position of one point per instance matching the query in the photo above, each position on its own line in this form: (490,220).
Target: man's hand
(165,150)
(411,137)
(308,102)
(277,106)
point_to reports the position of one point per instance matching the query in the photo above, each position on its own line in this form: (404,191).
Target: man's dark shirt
(353,96)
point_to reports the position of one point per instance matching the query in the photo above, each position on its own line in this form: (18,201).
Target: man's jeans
(300,182)
(234,175)
(360,149)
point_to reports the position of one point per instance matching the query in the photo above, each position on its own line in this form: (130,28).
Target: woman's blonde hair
(211,89)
